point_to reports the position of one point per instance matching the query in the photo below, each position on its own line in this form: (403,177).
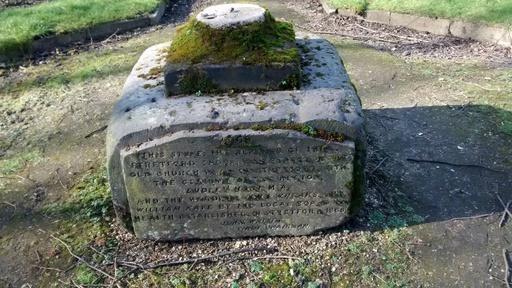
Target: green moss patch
(265,42)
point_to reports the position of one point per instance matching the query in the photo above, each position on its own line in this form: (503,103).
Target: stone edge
(98,32)
(356,196)
(494,34)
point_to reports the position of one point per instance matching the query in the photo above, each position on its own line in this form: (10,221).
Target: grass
(21,25)
(491,11)
(17,162)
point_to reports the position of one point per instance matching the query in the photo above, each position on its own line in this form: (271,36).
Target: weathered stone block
(181,79)
(237,164)
(214,184)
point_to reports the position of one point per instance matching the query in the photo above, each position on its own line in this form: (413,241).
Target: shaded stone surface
(145,118)
(214,184)
(225,77)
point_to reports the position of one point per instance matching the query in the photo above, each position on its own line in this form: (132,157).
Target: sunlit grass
(20,25)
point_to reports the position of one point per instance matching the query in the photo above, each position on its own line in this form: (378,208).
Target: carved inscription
(238,183)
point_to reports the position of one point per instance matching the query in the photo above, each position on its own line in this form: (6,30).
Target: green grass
(492,11)
(17,162)
(20,25)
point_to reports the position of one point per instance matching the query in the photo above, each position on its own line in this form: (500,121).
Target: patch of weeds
(85,220)
(255,266)
(293,273)
(261,105)
(278,275)
(358,6)
(376,260)
(308,130)
(84,275)
(76,69)
(90,200)
(17,162)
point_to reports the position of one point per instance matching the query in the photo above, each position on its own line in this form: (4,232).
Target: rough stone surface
(378,16)
(498,35)
(231,15)
(420,23)
(225,77)
(215,184)
(144,115)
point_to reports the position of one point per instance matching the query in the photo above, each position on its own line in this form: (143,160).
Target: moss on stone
(196,81)
(264,42)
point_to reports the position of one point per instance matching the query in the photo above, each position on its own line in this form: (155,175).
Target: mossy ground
(265,42)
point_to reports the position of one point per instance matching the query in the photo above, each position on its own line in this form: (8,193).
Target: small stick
(472,217)
(346,35)
(507,268)
(101,129)
(199,259)
(10,204)
(60,181)
(38,255)
(48,268)
(505,213)
(276,257)
(390,34)
(82,259)
(453,164)
(503,204)
(377,167)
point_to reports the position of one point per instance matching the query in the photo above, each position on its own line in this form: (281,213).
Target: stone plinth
(232,47)
(237,165)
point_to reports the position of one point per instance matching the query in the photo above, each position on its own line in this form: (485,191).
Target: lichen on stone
(266,42)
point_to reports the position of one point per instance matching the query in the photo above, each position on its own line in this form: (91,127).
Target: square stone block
(242,164)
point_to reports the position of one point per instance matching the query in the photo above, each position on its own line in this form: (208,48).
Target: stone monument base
(237,165)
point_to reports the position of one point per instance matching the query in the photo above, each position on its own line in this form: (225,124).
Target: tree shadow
(431,164)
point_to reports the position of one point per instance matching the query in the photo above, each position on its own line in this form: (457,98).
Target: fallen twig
(390,34)
(60,181)
(196,260)
(48,268)
(507,268)
(82,259)
(505,213)
(360,37)
(453,164)
(380,163)
(472,217)
(99,130)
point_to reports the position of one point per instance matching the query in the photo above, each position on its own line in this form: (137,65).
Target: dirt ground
(439,119)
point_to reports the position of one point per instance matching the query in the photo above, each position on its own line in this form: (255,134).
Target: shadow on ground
(447,160)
